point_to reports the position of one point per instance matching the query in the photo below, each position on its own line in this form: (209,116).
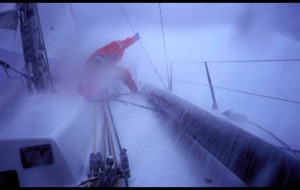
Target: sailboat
(48,139)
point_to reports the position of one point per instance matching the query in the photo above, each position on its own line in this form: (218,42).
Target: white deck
(50,120)
(66,122)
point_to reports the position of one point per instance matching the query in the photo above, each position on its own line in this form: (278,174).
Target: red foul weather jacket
(111,54)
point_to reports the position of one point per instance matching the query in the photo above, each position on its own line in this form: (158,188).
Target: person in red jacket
(101,70)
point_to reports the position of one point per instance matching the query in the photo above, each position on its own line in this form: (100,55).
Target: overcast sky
(193,31)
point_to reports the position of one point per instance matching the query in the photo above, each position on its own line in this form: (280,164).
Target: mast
(34,50)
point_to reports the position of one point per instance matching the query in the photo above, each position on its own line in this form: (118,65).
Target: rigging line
(243,61)
(251,61)
(59,19)
(153,66)
(150,77)
(56,20)
(278,139)
(73,17)
(103,135)
(229,89)
(177,80)
(126,18)
(114,126)
(63,17)
(171,76)
(164,42)
(259,95)
(110,139)
(117,137)
(68,13)
(95,125)
(67,16)
(147,55)
(72,12)
(106,127)
(51,15)
(112,145)
(124,101)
